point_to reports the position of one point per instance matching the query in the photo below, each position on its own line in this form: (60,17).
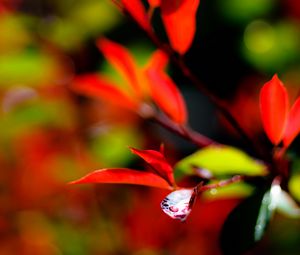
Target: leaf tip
(274,108)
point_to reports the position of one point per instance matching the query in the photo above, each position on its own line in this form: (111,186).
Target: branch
(179,62)
(234,179)
(185,132)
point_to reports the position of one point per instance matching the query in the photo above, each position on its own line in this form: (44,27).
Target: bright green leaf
(234,190)
(221,160)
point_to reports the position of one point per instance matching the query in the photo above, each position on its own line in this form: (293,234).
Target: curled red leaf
(99,87)
(124,176)
(293,124)
(274,109)
(179,18)
(158,162)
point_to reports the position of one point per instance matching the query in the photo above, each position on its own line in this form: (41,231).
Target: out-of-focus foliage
(49,135)
(271,47)
(242,12)
(76,21)
(294,181)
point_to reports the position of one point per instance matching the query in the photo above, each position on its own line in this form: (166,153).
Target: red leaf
(179,18)
(138,12)
(293,124)
(154,3)
(167,96)
(96,86)
(274,109)
(158,162)
(124,176)
(158,60)
(122,60)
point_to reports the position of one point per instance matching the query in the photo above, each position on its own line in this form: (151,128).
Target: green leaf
(264,215)
(234,190)
(221,160)
(294,186)
(247,223)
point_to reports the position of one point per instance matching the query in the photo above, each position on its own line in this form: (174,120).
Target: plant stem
(234,179)
(185,132)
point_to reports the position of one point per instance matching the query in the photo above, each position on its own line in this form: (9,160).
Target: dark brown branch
(184,132)
(234,179)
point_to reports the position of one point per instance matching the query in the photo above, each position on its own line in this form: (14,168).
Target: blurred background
(49,135)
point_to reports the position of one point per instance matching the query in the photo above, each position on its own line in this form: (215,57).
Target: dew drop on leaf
(178,204)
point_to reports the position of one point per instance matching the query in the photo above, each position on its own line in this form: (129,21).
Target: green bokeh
(30,67)
(110,148)
(243,11)
(271,47)
(80,21)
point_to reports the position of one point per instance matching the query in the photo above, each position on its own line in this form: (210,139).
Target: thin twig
(234,179)
(187,133)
